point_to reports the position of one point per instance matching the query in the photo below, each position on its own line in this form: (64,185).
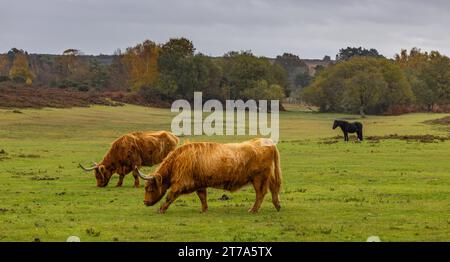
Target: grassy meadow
(332,190)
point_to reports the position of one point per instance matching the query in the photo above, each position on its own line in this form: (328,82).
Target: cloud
(308,28)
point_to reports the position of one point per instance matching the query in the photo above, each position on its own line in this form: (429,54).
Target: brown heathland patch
(32,97)
(439,121)
(417,138)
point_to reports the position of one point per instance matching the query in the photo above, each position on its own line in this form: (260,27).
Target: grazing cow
(194,167)
(346,127)
(134,149)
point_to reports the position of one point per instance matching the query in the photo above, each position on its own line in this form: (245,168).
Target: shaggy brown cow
(134,149)
(197,166)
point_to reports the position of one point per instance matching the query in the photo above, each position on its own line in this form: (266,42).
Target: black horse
(355,127)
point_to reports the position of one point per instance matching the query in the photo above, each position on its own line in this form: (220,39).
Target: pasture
(395,187)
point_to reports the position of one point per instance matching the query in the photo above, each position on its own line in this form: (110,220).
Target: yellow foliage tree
(141,63)
(3,64)
(21,69)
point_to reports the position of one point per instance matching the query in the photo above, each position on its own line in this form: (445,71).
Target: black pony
(355,127)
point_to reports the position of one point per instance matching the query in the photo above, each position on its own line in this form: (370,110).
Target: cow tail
(277,170)
(275,181)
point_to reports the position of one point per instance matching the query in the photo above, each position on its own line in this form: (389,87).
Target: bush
(83,88)
(19,79)
(4,78)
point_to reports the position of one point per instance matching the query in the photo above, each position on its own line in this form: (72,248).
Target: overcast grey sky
(310,29)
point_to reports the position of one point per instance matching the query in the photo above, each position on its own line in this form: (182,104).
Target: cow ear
(158,179)
(156,183)
(102,169)
(153,184)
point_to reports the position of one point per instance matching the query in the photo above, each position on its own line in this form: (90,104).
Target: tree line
(363,81)
(359,80)
(169,71)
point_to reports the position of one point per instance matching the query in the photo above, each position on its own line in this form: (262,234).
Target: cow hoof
(136,186)
(253,211)
(118,185)
(161,211)
(204,211)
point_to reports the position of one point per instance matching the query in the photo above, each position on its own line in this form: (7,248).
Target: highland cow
(130,150)
(194,167)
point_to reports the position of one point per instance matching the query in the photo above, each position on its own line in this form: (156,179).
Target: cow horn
(141,175)
(88,169)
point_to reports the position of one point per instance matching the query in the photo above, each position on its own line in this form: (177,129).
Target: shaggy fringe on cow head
(154,189)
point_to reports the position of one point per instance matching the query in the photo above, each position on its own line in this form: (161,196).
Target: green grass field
(332,191)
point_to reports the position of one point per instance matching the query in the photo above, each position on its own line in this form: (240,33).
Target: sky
(310,29)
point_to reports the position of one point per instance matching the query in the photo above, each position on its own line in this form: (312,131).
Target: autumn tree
(437,78)
(428,75)
(3,64)
(20,69)
(4,68)
(141,64)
